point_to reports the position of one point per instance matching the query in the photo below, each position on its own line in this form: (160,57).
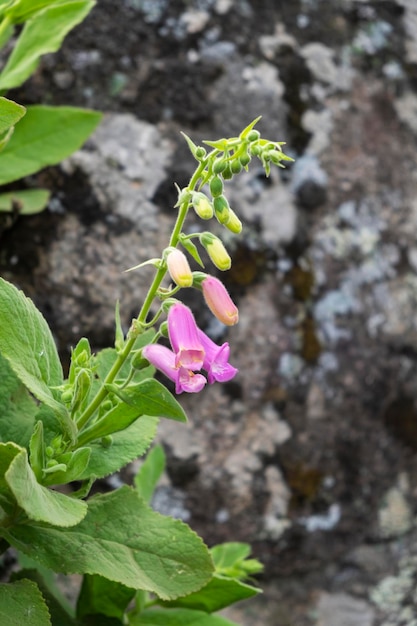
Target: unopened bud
(221,209)
(179,268)
(202,206)
(236,166)
(227,172)
(233,223)
(216,186)
(216,251)
(219,165)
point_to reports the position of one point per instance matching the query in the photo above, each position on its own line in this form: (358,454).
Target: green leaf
(123,540)
(118,418)
(17,407)
(59,608)
(126,446)
(8,451)
(75,468)
(150,472)
(245,132)
(219,593)
(178,617)
(151,398)
(39,503)
(22,603)
(191,249)
(29,201)
(24,9)
(45,136)
(104,597)
(10,114)
(26,342)
(231,559)
(42,34)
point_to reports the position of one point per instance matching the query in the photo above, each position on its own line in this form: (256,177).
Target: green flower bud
(216,251)
(200,153)
(255,150)
(227,172)
(219,165)
(253,135)
(66,396)
(216,186)
(202,206)
(221,209)
(244,159)
(106,441)
(236,166)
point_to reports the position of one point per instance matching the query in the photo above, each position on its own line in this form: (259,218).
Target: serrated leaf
(103,597)
(219,593)
(150,472)
(42,34)
(127,445)
(39,503)
(151,397)
(178,617)
(28,201)
(26,342)
(21,602)
(17,407)
(45,136)
(10,114)
(123,540)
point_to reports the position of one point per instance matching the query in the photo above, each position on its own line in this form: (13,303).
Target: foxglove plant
(139,567)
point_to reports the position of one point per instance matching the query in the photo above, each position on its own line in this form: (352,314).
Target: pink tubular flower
(164,360)
(216,362)
(183,335)
(219,302)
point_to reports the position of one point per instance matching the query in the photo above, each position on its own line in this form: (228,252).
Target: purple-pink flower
(183,335)
(216,360)
(164,360)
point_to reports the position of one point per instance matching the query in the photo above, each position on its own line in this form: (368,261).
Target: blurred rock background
(310,453)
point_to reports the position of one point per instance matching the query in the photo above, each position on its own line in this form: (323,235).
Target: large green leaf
(178,617)
(10,114)
(17,407)
(22,603)
(45,136)
(219,593)
(26,342)
(40,503)
(101,596)
(28,201)
(126,446)
(122,539)
(42,34)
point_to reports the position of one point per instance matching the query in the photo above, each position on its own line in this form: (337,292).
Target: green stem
(141,319)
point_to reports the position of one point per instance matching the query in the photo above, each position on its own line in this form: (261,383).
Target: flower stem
(146,306)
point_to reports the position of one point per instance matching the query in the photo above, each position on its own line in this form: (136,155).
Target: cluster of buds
(192,351)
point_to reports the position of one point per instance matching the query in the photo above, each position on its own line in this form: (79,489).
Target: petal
(183,335)
(188,381)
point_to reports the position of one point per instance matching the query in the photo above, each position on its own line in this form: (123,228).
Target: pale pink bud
(179,269)
(219,302)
